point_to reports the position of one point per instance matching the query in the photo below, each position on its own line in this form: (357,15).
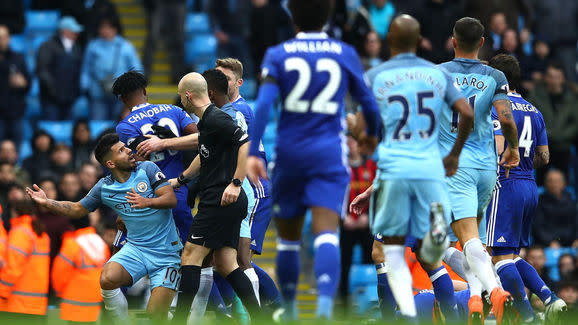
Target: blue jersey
(140,121)
(411,94)
(148,228)
(312,73)
(481,85)
(425,299)
(531,133)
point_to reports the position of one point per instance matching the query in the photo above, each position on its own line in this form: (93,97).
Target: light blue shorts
(246,223)
(401,207)
(470,191)
(162,267)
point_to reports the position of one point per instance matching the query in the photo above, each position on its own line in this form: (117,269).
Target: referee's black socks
(244,289)
(190,280)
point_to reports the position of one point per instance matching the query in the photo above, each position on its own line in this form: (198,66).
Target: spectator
(512,9)
(106,57)
(555,220)
(89,175)
(556,22)
(567,267)
(96,11)
(534,66)
(357,27)
(7,179)
(381,13)
(58,69)
(55,225)
(493,38)
(166,21)
(355,228)
(510,44)
(12,15)
(568,292)
(60,160)
(69,187)
(437,19)
(24,279)
(559,105)
(39,162)
(82,145)
(230,21)
(372,50)
(537,258)
(9,153)
(14,84)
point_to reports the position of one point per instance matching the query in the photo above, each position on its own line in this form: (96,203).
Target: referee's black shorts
(216,226)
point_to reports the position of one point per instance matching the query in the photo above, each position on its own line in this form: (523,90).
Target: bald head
(193,90)
(404,34)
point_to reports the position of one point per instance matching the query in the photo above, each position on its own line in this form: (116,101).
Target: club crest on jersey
(142,187)
(204,151)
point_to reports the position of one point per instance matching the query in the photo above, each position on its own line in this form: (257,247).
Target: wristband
(182,179)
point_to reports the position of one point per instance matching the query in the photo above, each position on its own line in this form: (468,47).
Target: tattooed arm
(511,156)
(72,210)
(541,156)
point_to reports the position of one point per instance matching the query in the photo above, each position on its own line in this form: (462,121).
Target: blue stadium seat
(80,109)
(33,109)
(96,127)
(44,21)
(25,150)
(365,298)
(362,275)
(197,23)
(27,129)
(61,131)
(200,46)
(34,88)
(249,89)
(18,43)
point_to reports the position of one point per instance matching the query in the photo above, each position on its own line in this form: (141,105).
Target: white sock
(455,259)
(199,305)
(399,279)
(252,275)
(480,263)
(472,279)
(115,303)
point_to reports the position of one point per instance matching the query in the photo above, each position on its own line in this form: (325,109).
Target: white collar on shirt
(139,107)
(315,35)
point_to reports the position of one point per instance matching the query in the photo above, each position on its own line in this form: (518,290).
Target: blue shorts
(511,213)
(182,214)
(295,190)
(401,207)
(162,267)
(261,216)
(246,223)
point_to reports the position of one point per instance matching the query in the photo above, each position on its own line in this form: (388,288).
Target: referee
(221,161)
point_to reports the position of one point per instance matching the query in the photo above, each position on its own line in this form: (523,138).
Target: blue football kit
(412,94)
(152,246)
(514,200)
(140,122)
(471,187)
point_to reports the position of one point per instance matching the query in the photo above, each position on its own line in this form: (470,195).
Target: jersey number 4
(526,136)
(322,102)
(421,110)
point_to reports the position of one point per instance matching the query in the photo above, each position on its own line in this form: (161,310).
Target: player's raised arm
(72,210)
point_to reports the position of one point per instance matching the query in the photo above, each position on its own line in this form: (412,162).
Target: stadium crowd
(88,52)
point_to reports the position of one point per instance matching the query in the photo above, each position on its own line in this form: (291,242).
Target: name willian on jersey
(313,47)
(149,112)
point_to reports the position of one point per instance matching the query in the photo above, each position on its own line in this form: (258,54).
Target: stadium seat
(249,89)
(18,43)
(362,275)
(96,127)
(25,150)
(200,46)
(33,109)
(196,23)
(27,130)
(80,109)
(45,21)
(34,88)
(61,131)
(365,298)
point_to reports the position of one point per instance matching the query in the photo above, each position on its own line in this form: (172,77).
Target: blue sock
(327,268)
(512,282)
(268,291)
(227,292)
(444,293)
(216,300)
(386,300)
(533,281)
(288,269)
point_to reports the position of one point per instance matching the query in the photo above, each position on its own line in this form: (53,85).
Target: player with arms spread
(471,187)
(514,201)
(312,74)
(140,194)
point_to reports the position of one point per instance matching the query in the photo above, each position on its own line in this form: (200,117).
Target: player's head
(310,15)
(113,154)
(404,35)
(217,86)
(510,67)
(468,35)
(130,87)
(233,69)
(193,91)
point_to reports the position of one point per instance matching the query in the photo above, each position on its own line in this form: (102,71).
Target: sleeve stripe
(159,182)
(19,250)
(66,259)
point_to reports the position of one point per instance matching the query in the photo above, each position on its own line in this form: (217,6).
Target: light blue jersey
(411,94)
(482,85)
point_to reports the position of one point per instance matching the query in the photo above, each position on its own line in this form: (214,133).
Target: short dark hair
(556,65)
(129,82)
(510,67)
(468,32)
(310,15)
(216,81)
(104,145)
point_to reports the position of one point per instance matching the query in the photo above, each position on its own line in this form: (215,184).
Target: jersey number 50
(322,102)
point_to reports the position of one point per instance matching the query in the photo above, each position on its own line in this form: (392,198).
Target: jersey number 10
(456,115)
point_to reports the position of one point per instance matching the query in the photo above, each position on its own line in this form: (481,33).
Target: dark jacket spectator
(358,25)
(12,16)
(9,153)
(60,161)
(555,223)
(58,69)
(39,161)
(437,19)
(533,67)
(56,225)
(14,84)
(7,179)
(82,145)
(483,10)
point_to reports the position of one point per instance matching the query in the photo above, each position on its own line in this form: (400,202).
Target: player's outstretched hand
(230,195)
(510,159)
(37,194)
(152,144)
(451,164)
(255,168)
(136,200)
(361,202)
